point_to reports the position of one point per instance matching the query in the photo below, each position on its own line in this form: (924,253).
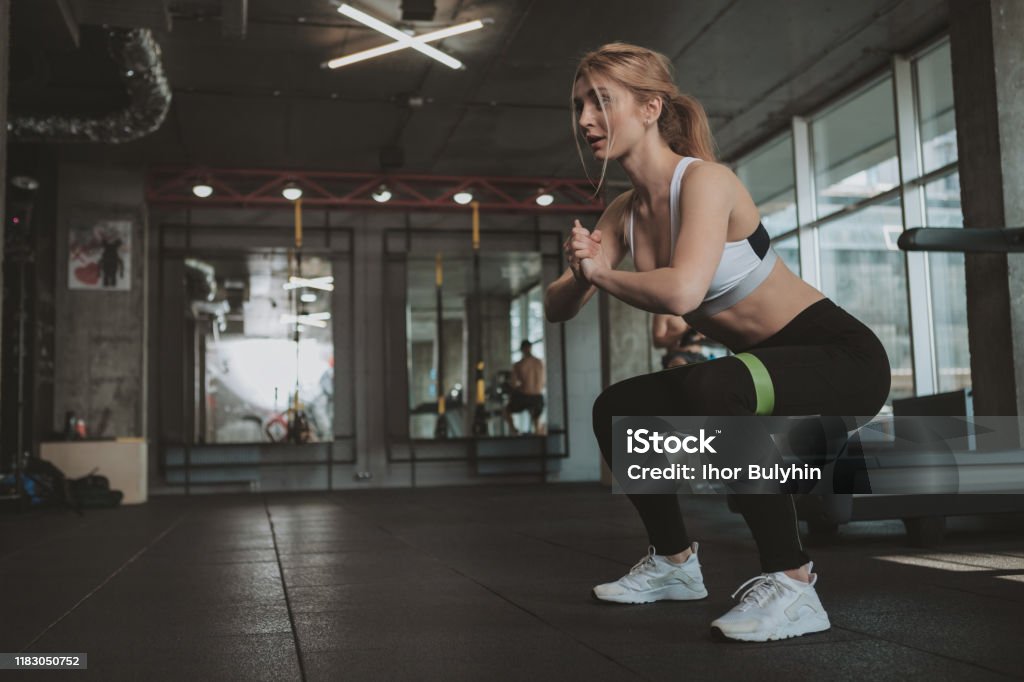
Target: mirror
(480,311)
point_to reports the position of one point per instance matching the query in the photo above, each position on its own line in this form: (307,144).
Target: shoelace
(646,562)
(764,586)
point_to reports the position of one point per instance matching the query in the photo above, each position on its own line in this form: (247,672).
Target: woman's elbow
(551,312)
(683,302)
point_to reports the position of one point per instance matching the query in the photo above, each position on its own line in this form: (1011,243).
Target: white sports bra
(744,265)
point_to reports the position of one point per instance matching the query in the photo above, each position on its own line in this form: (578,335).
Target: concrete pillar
(5,32)
(988,87)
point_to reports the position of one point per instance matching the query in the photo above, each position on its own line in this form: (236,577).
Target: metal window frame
(919,295)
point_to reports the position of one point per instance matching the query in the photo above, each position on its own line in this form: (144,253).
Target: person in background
(527,389)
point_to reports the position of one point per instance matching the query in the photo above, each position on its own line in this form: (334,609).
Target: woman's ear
(652,109)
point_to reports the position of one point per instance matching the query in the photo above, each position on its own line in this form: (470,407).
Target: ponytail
(684,125)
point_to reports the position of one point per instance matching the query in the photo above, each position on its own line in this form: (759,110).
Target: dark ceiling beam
(233,188)
(234,18)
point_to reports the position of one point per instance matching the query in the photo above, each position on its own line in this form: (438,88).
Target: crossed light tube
(402,40)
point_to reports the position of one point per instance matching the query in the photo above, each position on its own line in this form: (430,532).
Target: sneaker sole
(670,593)
(786,632)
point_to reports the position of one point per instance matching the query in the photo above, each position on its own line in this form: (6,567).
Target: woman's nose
(586,119)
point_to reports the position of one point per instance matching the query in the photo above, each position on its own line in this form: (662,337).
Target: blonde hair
(647,74)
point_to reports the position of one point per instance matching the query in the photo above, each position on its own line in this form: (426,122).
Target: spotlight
(463,197)
(382,195)
(291,192)
(544,198)
(202,190)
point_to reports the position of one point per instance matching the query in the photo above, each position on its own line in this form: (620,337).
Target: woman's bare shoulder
(710,179)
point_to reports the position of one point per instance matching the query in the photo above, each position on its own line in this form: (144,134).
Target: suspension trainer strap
(763,388)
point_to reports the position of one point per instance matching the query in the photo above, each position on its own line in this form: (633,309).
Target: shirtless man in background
(527,389)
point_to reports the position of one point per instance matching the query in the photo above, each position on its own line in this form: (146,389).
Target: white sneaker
(655,578)
(774,607)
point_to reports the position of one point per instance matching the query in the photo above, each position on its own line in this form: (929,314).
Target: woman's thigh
(826,380)
(716,387)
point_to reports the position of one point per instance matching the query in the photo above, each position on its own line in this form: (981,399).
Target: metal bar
(959,240)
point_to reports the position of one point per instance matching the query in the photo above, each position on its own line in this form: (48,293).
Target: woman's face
(608,116)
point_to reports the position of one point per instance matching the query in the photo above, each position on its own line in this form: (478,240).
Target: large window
(854,194)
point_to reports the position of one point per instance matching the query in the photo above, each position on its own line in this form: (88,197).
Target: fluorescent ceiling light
(396,46)
(463,197)
(396,35)
(321,283)
(308,298)
(202,190)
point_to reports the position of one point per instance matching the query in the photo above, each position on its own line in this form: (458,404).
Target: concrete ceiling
(262,100)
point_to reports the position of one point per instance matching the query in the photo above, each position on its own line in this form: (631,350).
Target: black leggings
(824,362)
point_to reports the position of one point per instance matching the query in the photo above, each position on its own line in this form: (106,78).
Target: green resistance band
(763,388)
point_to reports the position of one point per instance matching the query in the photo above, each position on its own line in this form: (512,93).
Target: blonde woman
(700,252)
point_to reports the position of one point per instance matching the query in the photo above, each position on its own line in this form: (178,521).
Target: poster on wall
(99,254)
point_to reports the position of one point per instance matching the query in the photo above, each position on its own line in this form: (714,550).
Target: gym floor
(475,583)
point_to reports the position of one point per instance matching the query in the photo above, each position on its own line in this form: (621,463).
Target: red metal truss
(238,188)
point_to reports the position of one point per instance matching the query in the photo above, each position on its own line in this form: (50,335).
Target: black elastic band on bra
(760,241)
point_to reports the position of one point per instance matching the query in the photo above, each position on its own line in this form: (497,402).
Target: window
(789,251)
(854,149)
(948,288)
(863,271)
(933,73)
(768,175)
(855,197)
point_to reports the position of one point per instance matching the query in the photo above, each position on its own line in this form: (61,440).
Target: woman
(700,252)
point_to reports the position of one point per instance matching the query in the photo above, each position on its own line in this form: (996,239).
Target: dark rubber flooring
(475,584)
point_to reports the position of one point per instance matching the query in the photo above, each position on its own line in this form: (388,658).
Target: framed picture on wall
(100,251)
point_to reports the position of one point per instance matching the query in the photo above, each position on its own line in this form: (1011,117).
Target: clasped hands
(584,253)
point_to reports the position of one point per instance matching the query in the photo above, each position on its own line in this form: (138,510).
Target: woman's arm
(666,330)
(708,194)
(569,293)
